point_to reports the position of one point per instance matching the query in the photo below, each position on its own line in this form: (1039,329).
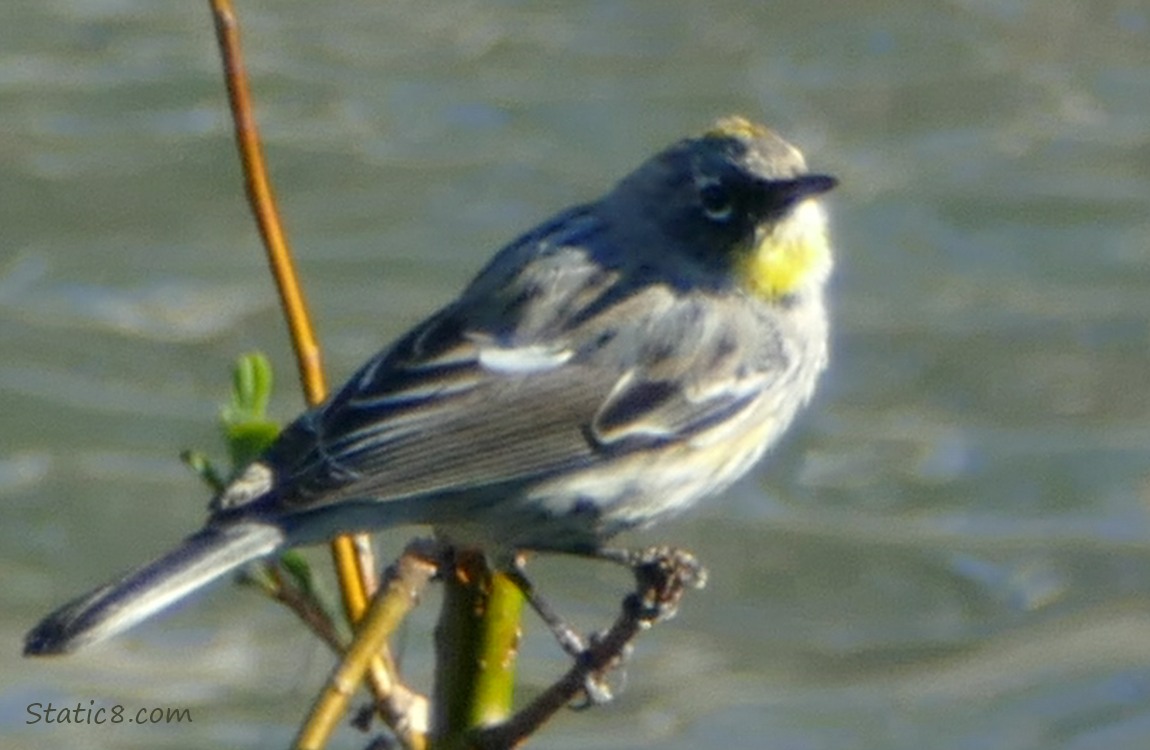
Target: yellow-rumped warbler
(604,371)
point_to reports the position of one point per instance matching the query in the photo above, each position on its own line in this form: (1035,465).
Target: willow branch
(401,592)
(352,556)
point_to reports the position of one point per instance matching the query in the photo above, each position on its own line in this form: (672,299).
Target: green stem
(477,642)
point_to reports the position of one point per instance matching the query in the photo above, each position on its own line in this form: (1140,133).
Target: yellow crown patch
(736,126)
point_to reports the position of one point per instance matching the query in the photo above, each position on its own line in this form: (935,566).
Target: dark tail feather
(115,607)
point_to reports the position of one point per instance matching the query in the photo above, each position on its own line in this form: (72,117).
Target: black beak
(779,196)
(804,186)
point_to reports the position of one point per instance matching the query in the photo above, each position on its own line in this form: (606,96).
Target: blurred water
(950,552)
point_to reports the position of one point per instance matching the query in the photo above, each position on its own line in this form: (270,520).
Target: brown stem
(262,200)
(352,555)
(309,361)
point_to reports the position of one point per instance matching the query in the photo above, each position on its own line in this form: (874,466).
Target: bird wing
(551,360)
(436,425)
(450,409)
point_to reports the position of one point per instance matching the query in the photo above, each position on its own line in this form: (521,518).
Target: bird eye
(716,201)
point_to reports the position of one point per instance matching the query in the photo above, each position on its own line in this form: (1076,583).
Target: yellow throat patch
(791,255)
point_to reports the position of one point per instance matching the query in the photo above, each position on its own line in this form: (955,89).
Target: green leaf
(247,429)
(203,467)
(251,387)
(298,568)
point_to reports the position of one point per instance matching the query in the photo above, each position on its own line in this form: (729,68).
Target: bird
(603,372)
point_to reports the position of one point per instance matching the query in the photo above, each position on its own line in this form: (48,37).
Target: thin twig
(662,577)
(259,190)
(400,593)
(306,608)
(402,709)
(352,556)
(350,564)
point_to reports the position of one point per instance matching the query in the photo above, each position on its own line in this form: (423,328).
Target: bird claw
(663,574)
(597,690)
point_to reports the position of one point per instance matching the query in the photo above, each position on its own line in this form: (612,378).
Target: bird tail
(115,607)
